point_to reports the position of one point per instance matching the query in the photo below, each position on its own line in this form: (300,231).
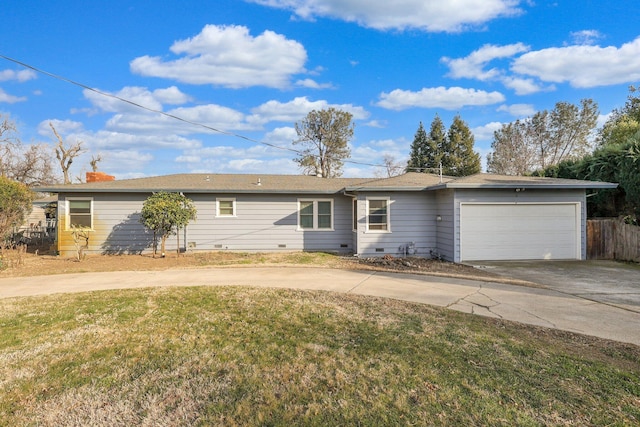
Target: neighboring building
(479,217)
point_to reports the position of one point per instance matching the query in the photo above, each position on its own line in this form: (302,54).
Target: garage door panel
(518,231)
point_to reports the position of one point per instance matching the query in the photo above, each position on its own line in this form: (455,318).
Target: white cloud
(587,37)
(10,99)
(122,162)
(602,119)
(377,124)
(138,95)
(518,110)
(425,15)
(228,159)
(282,136)
(583,66)
(485,133)
(297,109)
(447,98)
(20,76)
(472,66)
(312,84)
(524,86)
(229,56)
(63,127)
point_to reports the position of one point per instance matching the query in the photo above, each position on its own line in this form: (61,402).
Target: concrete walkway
(534,306)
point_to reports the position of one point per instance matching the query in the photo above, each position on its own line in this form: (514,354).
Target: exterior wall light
(438,217)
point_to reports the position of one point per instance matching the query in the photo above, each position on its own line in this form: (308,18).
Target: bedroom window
(79,213)
(378,214)
(315,214)
(225,207)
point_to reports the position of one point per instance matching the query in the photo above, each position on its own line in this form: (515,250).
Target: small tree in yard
(165,213)
(80,237)
(15,205)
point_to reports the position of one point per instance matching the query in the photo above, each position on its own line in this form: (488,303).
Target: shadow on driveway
(608,282)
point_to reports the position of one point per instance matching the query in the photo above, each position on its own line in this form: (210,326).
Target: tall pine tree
(417,158)
(453,149)
(458,157)
(426,150)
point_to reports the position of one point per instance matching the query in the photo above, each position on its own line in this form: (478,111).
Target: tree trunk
(178,241)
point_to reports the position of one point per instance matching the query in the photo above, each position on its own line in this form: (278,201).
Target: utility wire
(163,113)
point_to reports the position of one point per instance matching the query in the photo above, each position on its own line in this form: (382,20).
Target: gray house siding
(511,196)
(261,223)
(412,220)
(116,226)
(445,227)
(267,223)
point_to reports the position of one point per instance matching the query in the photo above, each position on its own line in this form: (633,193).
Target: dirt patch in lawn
(27,264)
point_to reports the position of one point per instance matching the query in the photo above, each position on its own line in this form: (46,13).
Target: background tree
(622,123)
(29,164)
(452,149)
(419,147)
(390,167)
(66,155)
(544,140)
(324,135)
(426,150)
(94,162)
(458,157)
(513,150)
(165,213)
(15,204)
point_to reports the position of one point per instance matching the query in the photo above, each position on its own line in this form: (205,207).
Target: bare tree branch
(65,155)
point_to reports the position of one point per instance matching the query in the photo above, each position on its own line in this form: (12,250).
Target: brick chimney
(99,177)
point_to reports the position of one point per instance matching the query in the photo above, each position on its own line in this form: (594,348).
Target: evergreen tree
(436,142)
(458,157)
(426,150)
(417,158)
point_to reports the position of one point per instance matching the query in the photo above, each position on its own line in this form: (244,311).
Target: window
(226,207)
(354,214)
(315,214)
(378,214)
(79,213)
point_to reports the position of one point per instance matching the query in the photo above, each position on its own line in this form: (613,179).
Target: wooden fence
(613,239)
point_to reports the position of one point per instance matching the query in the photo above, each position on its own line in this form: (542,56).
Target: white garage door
(519,231)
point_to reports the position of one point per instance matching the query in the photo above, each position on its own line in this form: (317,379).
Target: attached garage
(520,231)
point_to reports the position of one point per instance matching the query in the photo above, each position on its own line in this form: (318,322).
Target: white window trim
(315,215)
(68,213)
(388,200)
(226,199)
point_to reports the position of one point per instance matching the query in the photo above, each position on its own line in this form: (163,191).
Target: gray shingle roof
(301,184)
(485,180)
(207,183)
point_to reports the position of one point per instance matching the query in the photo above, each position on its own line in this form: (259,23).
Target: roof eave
(183,190)
(372,189)
(547,186)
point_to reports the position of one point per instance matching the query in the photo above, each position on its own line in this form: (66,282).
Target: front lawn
(244,356)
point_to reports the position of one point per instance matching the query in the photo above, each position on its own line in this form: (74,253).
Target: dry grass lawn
(241,356)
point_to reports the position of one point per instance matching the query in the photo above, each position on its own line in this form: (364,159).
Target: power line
(163,113)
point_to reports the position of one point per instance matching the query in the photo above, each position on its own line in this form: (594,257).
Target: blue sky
(253,68)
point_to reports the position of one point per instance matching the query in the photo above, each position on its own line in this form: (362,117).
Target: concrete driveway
(531,305)
(608,282)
